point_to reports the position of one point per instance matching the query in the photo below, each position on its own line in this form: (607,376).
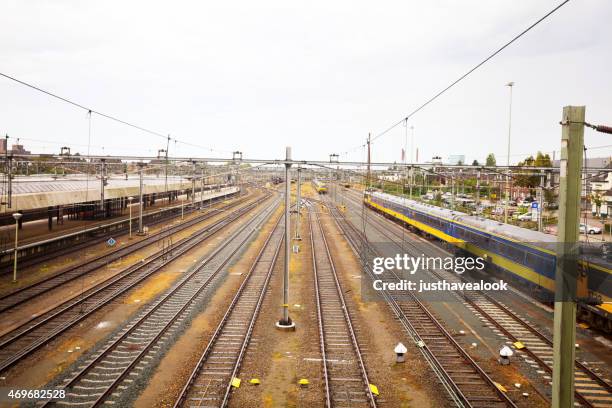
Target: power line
(78,105)
(104,115)
(462,77)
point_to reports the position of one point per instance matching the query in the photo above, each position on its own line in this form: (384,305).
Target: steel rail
(485,377)
(352,235)
(356,349)
(165,299)
(70,306)
(320,321)
(226,317)
(91,230)
(19,296)
(590,373)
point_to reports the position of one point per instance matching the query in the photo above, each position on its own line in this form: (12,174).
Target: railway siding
(215,374)
(107,374)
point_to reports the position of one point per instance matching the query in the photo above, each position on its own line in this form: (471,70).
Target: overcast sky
(316,75)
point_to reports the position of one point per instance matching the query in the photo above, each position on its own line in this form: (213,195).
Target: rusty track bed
(36,252)
(28,292)
(344,372)
(29,337)
(591,389)
(210,383)
(466,382)
(108,372)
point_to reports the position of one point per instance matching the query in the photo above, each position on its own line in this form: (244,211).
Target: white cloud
(257,76)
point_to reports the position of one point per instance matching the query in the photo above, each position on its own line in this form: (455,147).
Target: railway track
(40,330)
(28,292)
(95,236)
(106,374)
(210,383)
(591,390)
(467,384)
(344,373)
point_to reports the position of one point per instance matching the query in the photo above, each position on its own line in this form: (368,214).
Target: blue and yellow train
(522,256)
(319,186)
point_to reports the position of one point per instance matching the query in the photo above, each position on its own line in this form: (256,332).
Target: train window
(503,248)
(515,253)
(495,246)
(460,232)
(534,261)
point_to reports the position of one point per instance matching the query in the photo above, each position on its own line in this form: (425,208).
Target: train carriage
(523,256)
(319,186)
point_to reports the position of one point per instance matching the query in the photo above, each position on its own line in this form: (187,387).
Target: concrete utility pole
(411,159)
(298,204)
(285,322)
(368,182)
(140,203)
(477,192)
(102,182)
(17,217)
(130,199)
(411,180)
(540,194)
(452,193)
(166,169)
(510,85)
(202,189)
(564,338)
(193,185)
(9,163)
(405,156)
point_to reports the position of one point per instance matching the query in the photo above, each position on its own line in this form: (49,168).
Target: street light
(17,217)
(510,85)
(130,199)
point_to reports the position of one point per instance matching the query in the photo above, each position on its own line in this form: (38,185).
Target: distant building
(455,159)
(602,182)
(18,149)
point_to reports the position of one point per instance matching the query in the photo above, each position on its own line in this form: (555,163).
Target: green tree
(491,160)
(523,179)
(475,163)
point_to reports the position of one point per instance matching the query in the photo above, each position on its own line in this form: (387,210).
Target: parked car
(584,228)
(524,217)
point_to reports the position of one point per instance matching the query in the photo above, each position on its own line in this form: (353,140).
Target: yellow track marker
(500,387)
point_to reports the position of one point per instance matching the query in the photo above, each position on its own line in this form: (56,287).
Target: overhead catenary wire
(81,106)
(462,77)
(99,113)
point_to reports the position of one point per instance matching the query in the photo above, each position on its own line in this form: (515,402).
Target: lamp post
(17,217)
(510,85)
(130,199)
